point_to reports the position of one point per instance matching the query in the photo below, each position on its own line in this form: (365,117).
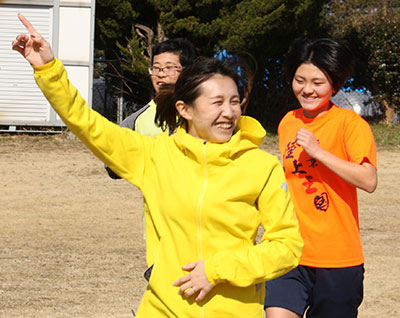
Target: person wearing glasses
(168,58)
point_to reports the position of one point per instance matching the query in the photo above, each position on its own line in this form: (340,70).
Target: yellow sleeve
(122,149)
(281,246)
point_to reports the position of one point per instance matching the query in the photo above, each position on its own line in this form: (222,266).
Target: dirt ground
(71,242)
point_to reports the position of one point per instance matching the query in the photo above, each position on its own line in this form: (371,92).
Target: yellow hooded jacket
(206,201)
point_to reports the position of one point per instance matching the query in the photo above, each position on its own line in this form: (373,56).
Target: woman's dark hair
(187,89)
(329,55)
(186,50)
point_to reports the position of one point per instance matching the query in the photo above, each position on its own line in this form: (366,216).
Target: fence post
(120,106)
(120,98)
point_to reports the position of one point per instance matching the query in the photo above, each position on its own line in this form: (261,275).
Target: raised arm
(122,149)
(35,49)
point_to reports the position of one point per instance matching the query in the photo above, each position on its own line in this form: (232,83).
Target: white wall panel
(76,1)
(68,25)
(79,77)
(75,30)
(21,101)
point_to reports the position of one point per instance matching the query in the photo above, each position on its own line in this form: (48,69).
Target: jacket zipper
(200,209)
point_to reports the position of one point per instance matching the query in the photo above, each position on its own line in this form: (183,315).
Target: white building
(69,27)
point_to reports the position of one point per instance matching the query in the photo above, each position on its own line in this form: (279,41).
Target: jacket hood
(248,135)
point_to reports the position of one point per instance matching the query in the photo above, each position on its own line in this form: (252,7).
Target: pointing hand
(35,49)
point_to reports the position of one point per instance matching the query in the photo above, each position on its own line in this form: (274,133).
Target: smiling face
(313,89)
(215,112)
(161,61)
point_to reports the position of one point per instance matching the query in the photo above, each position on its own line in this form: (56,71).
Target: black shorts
(322,292)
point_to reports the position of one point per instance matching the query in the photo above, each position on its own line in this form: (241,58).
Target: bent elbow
(370,180)
(371,185)
(372,188)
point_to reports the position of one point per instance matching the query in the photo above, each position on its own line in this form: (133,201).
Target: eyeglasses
(168,70)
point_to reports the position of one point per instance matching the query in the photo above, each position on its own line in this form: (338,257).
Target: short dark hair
(187,89)
(329,55)
(186,50)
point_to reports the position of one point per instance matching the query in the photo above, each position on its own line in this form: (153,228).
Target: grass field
(71,241)
(386,136)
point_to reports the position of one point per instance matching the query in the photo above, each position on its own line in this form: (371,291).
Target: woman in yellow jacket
(208,187)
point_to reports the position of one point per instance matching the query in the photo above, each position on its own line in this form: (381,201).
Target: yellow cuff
(46,66)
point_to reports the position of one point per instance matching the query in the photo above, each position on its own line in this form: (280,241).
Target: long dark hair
(187,89)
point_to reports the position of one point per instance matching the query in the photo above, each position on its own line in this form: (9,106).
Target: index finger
(27,24)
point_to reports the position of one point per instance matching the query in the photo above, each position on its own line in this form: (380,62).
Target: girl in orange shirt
(327,154)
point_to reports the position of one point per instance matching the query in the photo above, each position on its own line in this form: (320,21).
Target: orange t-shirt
(326,205)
